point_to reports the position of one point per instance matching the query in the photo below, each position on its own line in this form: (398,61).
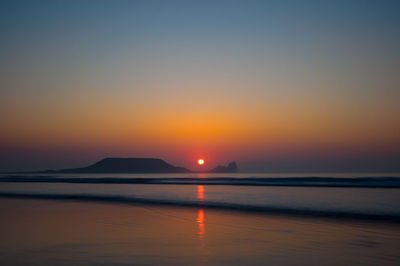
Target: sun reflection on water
(200,193)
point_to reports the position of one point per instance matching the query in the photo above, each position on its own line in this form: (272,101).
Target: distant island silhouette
(139,165)
(231,168)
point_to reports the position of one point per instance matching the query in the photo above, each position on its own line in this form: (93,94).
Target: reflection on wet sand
(201,226)
(38,232)
(200,214)
(200,223)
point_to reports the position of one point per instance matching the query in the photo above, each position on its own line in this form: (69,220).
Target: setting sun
(200,161)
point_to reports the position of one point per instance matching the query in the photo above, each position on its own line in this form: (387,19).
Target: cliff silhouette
(231,168)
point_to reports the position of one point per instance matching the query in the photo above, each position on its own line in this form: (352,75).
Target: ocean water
(198,219)
(338,196)
(208,175)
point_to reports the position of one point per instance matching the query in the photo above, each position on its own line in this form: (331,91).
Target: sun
(200,161)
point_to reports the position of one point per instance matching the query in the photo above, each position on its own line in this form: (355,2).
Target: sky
(277,86)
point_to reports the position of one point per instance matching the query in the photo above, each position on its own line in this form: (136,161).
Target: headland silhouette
(139,165)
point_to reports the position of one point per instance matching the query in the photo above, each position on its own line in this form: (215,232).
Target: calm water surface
(213,175)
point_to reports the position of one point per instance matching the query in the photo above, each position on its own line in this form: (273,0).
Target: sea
(279,219)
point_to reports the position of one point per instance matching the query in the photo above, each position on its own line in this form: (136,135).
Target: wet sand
(57,232)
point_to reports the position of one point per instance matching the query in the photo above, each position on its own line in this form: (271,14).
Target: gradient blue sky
(274,85)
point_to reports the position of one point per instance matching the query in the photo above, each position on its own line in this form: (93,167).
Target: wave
(362,182)
(305,212)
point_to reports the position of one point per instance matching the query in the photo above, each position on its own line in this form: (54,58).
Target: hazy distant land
(138,165)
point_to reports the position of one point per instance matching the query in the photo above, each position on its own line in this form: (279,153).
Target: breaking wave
(367,182)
